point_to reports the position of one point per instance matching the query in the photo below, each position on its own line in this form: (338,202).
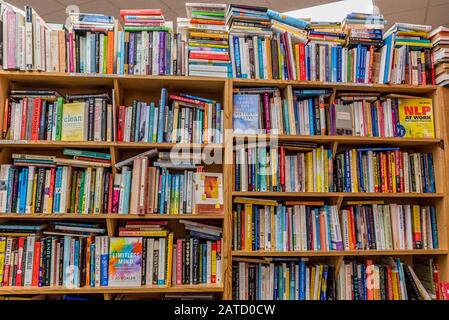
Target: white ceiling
(433,12)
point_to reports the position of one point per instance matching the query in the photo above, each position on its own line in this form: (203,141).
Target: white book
(29,256)
(209,262)
(161,266)
(97,261)
(99,175)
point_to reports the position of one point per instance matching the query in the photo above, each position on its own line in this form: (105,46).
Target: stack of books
(208,48)
(364,38)
(179,118)
(378,226)
(47,184)
(440,53)
(249,40)
(393,279)
(197,258)
(92,43)
(146,44)
(183,186)
(406,57)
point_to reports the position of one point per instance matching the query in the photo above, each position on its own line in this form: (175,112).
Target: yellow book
(312,283)
(318,275)
(368,119)
(273,164)
(169,258)
(287,283)
(416,227)
(412,33)
(213,264)
(393,171)
(248,227)
(354,171)
(210,45)
(326,171)
(376,174)
(2,257)
(262,202)
(268,53)
(319,170)
(309,177)
(416,118)
(33,194)
(74,122)
(209,35)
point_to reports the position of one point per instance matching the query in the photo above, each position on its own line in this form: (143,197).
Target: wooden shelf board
(387,88)
(338,253)
(100,290)
(343,140)
(149,145)
(113,216)
(336,195)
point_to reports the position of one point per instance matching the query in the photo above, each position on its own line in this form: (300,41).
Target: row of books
(76,255)
(306,112)
(239,41)
(302,168)
(46,115)
(301,279)
(176,119)
(266,225)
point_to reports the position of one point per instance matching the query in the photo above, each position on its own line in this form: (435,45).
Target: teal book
(127,175)
(59,104)
(89,154)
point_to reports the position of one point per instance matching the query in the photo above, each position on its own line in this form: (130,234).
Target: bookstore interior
(233,151)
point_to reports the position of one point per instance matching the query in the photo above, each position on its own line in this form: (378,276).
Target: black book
(106,180)
(133,121)
(77,52)
(155,261)
(42,127)
(23,262)
(235,282)
(188,262)
(82,261)
(15,188)
(104,108)
(251,280)
(195,254)
(40,190)
(143,276)
(91,119)
(184,258)
(61,262)
(355,281)
(410,285)
(330,286)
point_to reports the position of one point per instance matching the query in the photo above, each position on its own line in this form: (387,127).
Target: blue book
(347,173)
(316,214)
(104,267)
(138,107)
(302,268)
(161,122)
(127,176)
(279,229)
(311,117)
(260,53)
(388,42)
(359,160)
(294,22)
(204,273)
(334,64)
(19,191)
(431,172)
(434,227)
(339,63)
(246,113)
(238,63)
(275,280)
(92,265)
(23,191)
(76,257)
(58,186)
(323,295)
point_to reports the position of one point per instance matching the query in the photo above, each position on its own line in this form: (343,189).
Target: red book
(322,234)
(352,244)
(111,191)
(381,119)
(370,279)
(302,62)
(432,69)
(445,291)
(389,284)
(282,167)
(213,275)
(397,169)
(92,159)
(152,222)
(52,187)
(436,281)
(209,56)
(20,250)
(179,262)
(187,100)
(266,111)
(141,12)
(24,119)
(121,123)
(36,119)
(36,263)
(212,22)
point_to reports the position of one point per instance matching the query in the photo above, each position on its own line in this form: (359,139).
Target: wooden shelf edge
(99,290)
(99,144)
(337,194)
(267,254)
(114,216)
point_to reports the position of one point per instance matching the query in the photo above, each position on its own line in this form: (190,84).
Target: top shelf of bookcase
(198,83)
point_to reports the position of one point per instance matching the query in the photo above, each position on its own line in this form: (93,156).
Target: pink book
(179,262)
(141,12)
(71,58)
(266,111)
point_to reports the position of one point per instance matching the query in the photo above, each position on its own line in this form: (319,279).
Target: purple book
(162,36)
(131,53)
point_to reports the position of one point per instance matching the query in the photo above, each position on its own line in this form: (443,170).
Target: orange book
(322,234)
(5,119)
(269,60)
(370,279)
(110,57)
(352,237)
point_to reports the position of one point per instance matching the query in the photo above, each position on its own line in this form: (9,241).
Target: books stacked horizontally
(29,43)
(51,256)
(406,56)
(179,118)
(197,258)
(249,40)
(369,115)
(207,40)
(393,279)
(46,184)
(388,226)
(92,43)
(440,52)
(185,188)
(384,170)
(293,167)
(146,44)
(364,38)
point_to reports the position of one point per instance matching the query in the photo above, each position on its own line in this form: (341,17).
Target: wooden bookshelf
(129,87)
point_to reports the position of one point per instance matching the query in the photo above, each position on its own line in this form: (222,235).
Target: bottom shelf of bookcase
(262,254)
(206,288)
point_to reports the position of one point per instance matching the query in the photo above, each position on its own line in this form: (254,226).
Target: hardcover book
(73,122)
(125,262)
(246,113)
(416,118)
(209,193)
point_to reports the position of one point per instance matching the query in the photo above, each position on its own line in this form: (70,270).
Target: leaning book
(125,262)
(416,118)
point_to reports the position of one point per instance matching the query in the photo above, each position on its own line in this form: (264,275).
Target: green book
(148,28)
(59,104)
(81,195)
(89,154)
(73,194)
(208,13)
(105,55)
